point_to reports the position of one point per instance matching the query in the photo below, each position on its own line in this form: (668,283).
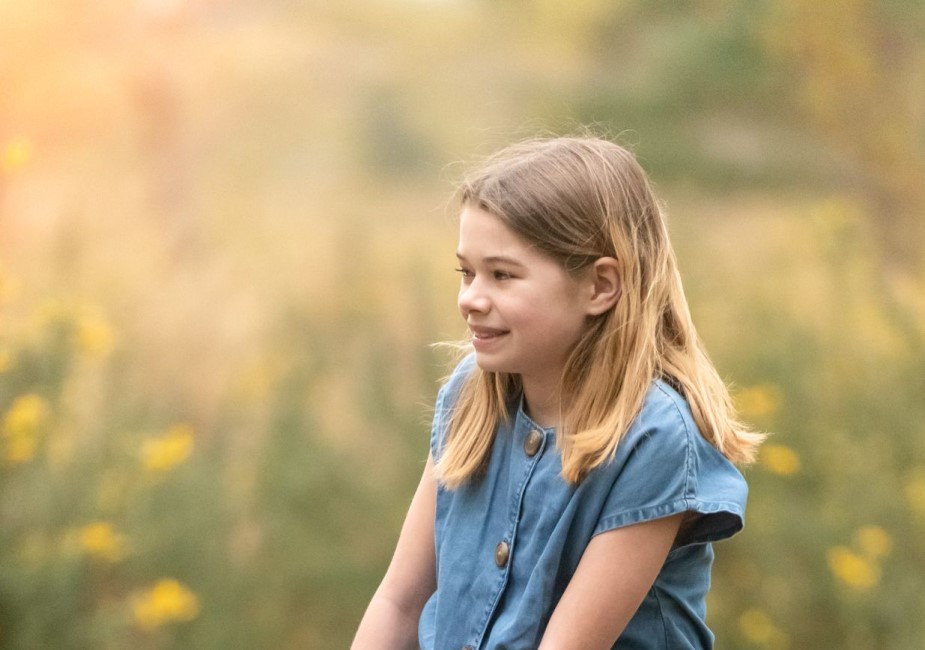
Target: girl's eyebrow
(494,259)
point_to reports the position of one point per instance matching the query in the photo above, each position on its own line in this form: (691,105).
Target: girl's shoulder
(663,390)
(446,401)
(449,391)
(665,409)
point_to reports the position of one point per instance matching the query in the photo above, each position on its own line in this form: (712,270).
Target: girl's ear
(605,278)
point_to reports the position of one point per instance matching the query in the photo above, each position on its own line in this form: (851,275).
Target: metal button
(502,551)
(467,647)
(532,443)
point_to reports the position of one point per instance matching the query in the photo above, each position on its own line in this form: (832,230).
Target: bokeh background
(226,245)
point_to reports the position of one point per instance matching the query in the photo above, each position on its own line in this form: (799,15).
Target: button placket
(532,444)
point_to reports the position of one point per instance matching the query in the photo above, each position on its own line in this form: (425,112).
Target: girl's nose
(472,299)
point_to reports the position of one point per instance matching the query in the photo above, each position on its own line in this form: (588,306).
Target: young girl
(581,460)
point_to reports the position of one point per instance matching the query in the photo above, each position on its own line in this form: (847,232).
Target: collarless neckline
(521,413)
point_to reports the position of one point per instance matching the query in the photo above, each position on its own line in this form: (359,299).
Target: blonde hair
(579,199)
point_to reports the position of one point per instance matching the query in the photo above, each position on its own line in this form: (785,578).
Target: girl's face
(524,310)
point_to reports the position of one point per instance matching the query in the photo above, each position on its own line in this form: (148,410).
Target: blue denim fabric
(663,466)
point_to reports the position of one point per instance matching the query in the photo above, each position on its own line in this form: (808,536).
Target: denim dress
(508,543)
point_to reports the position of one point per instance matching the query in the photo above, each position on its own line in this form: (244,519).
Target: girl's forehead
(475,221)
(485,235)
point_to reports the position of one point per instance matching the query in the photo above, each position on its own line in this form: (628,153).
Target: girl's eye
(502,275)
(466,273)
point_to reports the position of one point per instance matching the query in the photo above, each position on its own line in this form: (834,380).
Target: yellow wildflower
(758,629)
(22,425)
(856,571)
(100,539)
(16,153)
(164,452)
(167,601)
(26,416)
(758,402)
(88,331)
(874,541)
(756,626)
(780,460)
(94,335)
(20,450)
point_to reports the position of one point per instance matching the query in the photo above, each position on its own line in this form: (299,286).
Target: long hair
(576,200)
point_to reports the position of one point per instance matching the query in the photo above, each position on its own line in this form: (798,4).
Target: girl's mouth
(486,333)
(484,338)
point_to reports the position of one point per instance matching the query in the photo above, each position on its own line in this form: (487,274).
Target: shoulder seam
(689,449)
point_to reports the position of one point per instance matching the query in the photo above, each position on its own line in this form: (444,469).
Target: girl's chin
(490,363)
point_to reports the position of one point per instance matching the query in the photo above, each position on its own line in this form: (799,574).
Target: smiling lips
(483,336)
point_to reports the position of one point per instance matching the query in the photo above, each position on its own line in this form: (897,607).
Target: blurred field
(226,244)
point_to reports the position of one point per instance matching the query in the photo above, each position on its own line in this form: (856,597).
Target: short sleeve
(446,400)
(664,466)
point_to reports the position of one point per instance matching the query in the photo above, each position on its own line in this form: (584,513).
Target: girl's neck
(542,404)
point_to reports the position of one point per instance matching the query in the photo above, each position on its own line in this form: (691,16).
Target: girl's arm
(391,620)
(615,573)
